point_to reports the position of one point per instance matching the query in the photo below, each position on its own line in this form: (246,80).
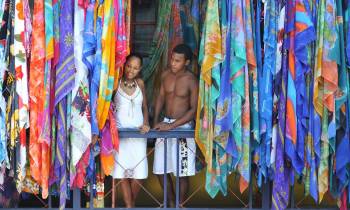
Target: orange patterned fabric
(36,89)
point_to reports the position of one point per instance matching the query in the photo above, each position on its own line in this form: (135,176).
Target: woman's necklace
(130,85)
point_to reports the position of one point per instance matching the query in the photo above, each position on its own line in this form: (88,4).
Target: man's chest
(176,86)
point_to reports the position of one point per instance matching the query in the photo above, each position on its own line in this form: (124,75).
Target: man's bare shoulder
(190,76)
(165,73)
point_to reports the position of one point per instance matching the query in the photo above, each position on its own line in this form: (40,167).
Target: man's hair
(136,55)
(184,49)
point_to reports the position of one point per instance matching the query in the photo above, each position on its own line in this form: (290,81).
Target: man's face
(178,62)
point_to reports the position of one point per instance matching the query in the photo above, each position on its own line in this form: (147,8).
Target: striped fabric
(64,83)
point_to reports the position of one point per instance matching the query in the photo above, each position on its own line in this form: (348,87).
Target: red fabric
(83,163)
(343,201)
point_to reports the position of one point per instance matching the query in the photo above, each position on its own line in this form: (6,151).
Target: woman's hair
(136,55)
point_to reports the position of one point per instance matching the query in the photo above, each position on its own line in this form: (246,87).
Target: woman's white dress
(131,160)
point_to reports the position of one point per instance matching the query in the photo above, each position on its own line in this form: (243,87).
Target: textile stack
(274,94)
(60,61)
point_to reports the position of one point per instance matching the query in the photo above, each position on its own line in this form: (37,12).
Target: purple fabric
(280,190)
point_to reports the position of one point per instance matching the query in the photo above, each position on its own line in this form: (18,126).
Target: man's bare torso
(177,93)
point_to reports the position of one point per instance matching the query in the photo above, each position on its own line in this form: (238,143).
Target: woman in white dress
(130,111)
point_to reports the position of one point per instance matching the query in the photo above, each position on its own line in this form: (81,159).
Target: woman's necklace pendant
(130,85)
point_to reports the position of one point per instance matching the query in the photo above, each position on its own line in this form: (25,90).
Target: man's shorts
(187,154)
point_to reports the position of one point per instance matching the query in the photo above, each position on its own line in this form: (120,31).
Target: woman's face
(132,68)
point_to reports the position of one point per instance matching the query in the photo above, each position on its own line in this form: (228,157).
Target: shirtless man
(178,94)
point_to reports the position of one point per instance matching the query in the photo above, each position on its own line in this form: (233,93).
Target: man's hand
(164,126)
(144,129)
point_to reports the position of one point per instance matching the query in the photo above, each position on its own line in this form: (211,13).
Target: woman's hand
(144,129)
(94,139)
(114,108)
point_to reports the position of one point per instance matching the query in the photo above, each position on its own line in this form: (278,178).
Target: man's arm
(159,103)
(191,113)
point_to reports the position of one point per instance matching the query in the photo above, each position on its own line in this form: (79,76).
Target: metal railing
(179,133)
